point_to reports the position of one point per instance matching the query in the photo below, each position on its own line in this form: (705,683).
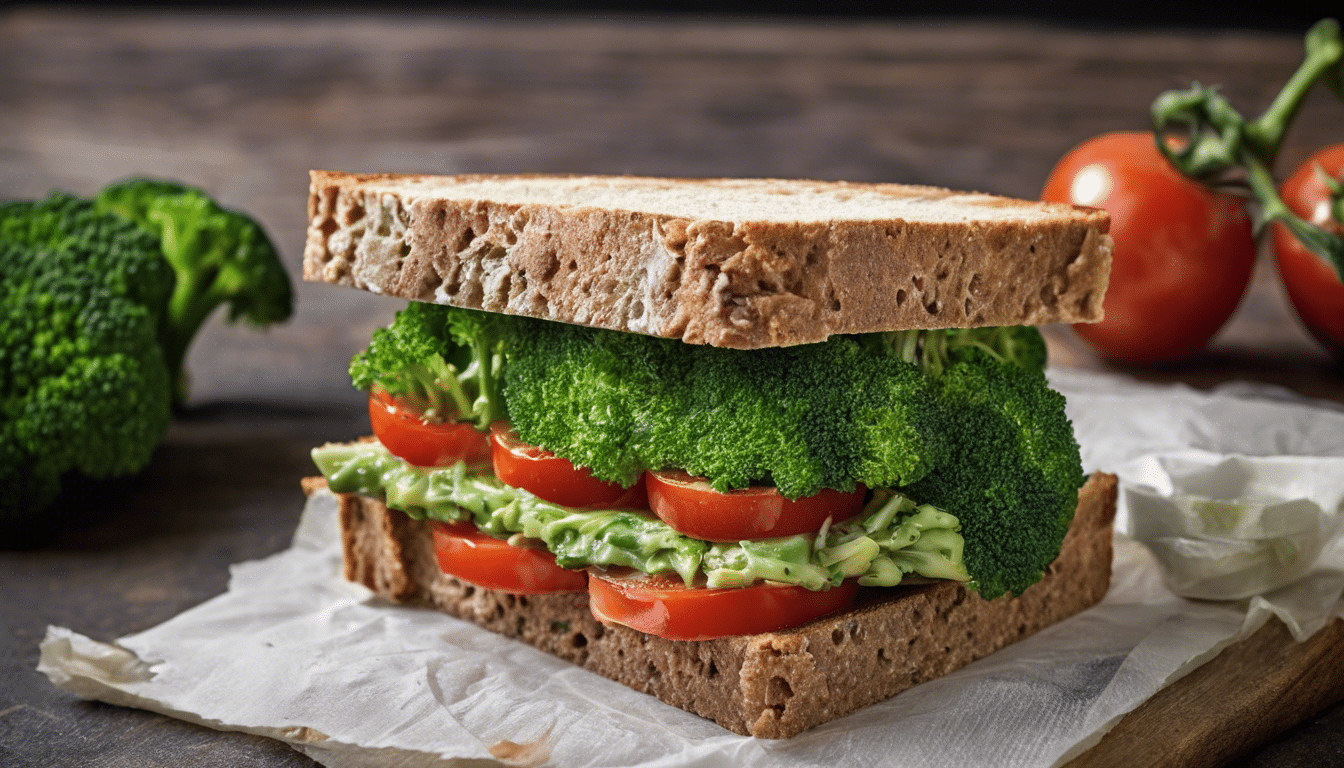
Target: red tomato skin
(409,437)
(692,507)
(662,606)
(467,554)
(1182,258)
(1313,286)
(554,479)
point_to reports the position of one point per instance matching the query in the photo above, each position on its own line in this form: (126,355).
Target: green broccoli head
(1013,473)
(444,361)
(569,389)
(71,235)
(803,418)
(83,384)
(218,257)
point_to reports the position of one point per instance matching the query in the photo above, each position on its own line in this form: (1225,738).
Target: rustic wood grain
(1249,693)
(245,104)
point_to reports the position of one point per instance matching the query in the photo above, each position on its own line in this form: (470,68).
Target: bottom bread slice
(770,685)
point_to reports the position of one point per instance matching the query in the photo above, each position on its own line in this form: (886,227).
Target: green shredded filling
(891,538)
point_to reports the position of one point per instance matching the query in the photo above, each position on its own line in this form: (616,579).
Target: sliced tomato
(661,605)
(402,431)
(692,507)
(555,479)
(485,561)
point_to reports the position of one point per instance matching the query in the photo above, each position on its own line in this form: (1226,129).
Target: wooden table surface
(244,105)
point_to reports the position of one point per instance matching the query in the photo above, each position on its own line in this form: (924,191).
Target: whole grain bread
(742,263)
(771,685)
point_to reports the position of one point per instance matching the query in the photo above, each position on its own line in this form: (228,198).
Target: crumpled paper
(1226,528)
(293,652)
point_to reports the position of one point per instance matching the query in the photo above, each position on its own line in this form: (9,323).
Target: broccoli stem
(488,405)
(192,301)
(217,256)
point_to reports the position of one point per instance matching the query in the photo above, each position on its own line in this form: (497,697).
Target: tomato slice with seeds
(662,605)
(485,561)
(407,435)
(554,479)
(692,507)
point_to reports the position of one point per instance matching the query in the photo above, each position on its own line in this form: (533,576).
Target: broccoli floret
(444,361)
(569,389)
(1020,345)
(1014,471)
(803,418)
(218,256)
(69,234)
(83,383)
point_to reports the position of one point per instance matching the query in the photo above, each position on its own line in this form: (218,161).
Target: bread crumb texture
(741,263)
(771,685)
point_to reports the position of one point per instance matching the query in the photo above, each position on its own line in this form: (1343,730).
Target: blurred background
(243,99)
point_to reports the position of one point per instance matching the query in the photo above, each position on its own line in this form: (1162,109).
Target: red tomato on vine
(1183,254)
(1313,285)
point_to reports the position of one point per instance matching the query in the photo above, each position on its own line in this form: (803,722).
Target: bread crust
(710,261)
(771,685)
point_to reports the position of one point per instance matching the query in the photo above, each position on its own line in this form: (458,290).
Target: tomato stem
(1221,141)
(1319,241)
(1325,56)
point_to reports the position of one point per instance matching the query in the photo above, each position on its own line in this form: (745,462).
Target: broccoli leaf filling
(961,419)
(890,539)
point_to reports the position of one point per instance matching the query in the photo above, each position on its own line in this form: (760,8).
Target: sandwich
(768,450)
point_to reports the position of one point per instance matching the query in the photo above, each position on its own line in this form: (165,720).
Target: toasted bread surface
(742,263)
(771,685)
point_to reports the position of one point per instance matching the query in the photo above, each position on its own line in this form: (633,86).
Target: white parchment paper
(293,652)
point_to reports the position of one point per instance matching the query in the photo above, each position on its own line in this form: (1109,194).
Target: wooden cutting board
(1252,691)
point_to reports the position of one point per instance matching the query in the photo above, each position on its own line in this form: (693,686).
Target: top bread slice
(741,263)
